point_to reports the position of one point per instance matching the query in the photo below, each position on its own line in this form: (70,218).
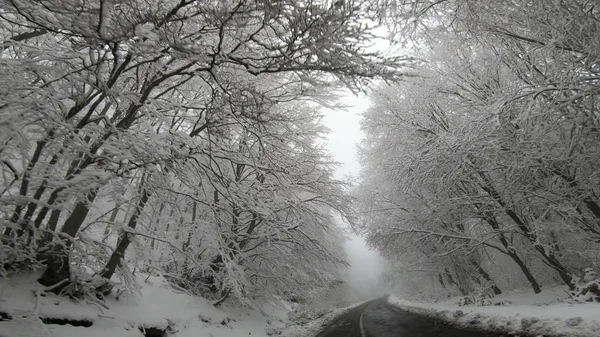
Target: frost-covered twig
(222,299)
(54,286)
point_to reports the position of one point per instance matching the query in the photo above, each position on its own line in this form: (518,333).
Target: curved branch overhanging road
(378,318)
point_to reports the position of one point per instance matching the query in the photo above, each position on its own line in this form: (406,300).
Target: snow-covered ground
(549,313)
(157,306)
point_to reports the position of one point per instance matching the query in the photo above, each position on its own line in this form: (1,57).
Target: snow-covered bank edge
(559,320)
(313,327)
(27,311)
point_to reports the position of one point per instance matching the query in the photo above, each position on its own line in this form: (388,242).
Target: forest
(185,138)
(481,174)
(177,137)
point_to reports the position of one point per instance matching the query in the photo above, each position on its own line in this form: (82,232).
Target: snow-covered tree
(493,148)
(170,117)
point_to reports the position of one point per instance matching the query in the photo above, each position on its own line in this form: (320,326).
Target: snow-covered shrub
(304,314)
(274,331)
(478,301)
(14,258)
(87,287)
(480,298)
(587,289)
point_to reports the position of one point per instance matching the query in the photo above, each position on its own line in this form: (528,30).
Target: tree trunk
(491,220)
(31,207)
(487,277)
(441,280)
(524,227)
(58,265)
(48,236)
(462,290)
(160,210)
(24,187)
(532,281)
(552,261)
(125,238)
(591,204)
(111,222)
(73,169)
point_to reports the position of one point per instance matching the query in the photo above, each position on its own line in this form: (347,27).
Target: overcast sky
(346,134)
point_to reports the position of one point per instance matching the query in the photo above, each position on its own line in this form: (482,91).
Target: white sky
(346,134)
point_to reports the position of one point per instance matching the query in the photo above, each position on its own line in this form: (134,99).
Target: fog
(364,274)
(345,134)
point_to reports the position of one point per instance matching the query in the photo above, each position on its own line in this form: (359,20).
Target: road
(378,318)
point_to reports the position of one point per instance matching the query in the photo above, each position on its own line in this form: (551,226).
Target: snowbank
(158,306)
(315,326)
(521,313)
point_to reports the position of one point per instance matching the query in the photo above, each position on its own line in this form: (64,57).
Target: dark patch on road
(347,325)
(381,319)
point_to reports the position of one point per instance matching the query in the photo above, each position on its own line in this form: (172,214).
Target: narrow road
(378,318)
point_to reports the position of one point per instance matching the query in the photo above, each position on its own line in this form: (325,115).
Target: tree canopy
(187,129)
(486,164)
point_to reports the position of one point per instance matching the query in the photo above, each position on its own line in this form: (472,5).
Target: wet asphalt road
(380,319)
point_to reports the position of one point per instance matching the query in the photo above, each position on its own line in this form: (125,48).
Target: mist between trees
(183,137)
(482,175)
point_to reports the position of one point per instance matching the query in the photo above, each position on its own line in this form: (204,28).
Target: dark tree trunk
(48,236)
(524,227)
(487,277)
(452,281)
(58,265)
(125,238)
(55,214)
(24,187)
(111,222)
(491,220)
(160,210)
(532,281)
(591,204)
(441,280)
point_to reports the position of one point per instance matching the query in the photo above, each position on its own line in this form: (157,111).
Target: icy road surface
(378,318)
